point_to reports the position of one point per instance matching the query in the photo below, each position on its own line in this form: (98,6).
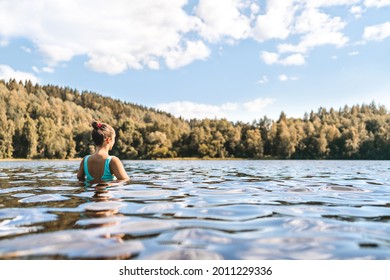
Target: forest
(52,122)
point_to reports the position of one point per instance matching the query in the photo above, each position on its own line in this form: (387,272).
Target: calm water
(198,210)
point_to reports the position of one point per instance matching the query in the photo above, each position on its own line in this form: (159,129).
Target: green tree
(253,144)
(25,141)
(7,129)
(127,139)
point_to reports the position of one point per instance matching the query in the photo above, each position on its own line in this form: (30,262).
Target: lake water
(198,210)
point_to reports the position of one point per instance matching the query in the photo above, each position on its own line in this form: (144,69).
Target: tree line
(54,122)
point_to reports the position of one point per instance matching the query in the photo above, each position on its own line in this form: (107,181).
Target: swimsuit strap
(107,165)
(107,172)
(89,177)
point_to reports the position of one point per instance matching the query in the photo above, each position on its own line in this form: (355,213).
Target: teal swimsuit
(107,176)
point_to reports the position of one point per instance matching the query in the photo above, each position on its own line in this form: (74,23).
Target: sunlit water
(198,210)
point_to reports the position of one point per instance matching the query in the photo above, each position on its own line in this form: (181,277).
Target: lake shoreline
(43,159)
(192,158)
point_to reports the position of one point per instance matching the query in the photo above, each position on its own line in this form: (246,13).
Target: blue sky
(238,59)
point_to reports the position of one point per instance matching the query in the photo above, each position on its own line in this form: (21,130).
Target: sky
(235,59)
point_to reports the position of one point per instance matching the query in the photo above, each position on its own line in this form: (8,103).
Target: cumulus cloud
(294,59)
(276,22)
(181,57)
(26,49)
(263,80)
(317,29)
(269,57)
(328,3)
(357,11)
(305,20)
(254,9)
(257,105)
(245,111)
(190,110)
(7,73)
(377,32)
(113,35)
(354,53)
(377,3)
(285,78)
(43,69)
(222,18)
(274,58)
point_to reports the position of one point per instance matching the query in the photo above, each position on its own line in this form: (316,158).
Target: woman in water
(101,166)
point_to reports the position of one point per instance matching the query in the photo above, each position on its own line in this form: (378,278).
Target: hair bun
(101,131)
(96,124)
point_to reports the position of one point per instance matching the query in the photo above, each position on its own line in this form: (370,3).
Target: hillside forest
(52,122)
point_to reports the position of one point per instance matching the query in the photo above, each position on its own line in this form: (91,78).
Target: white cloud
(317,29)
(112,64)
(269,57)
(327,3)
(181,57)
(276,22)
(263,80)
(190,110)
(310,25)
(285,78)
(257,106)
(153,64)
(246,111)
(377,32)
(222,18)
(294,59)
(288,17)
(377,3)
(129,34)
(220,50)
(7,72)
(354,53)
(115,36)
(4,42)
(357,11)
(48,69)
(26,49)
(45,69)
(255,9)
(274,58)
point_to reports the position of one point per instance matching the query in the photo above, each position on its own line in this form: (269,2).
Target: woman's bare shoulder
(117,168)
(115,161)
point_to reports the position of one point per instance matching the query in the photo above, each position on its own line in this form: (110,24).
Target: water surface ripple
(198,210)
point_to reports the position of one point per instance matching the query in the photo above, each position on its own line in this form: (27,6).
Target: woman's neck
(102,150)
